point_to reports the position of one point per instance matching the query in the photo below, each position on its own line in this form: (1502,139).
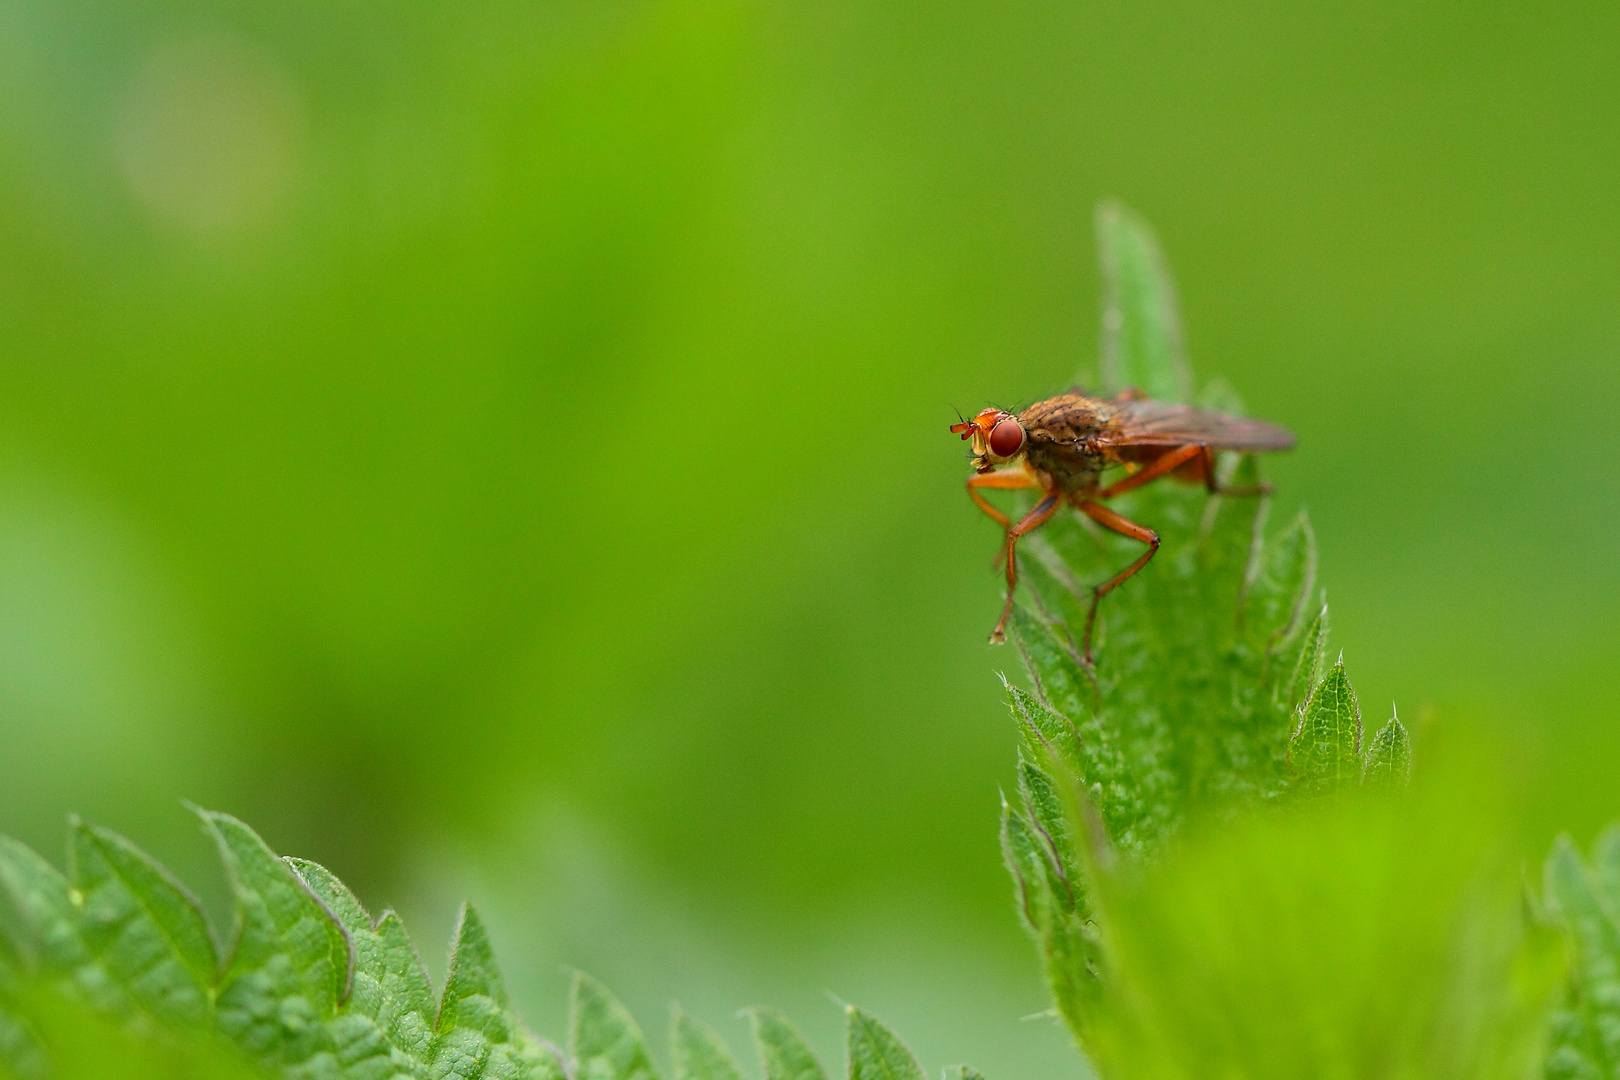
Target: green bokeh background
(498,449)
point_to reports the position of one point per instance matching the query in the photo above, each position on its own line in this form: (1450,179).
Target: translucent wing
(1158,423)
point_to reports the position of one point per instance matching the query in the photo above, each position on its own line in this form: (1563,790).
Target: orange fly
(1064,444)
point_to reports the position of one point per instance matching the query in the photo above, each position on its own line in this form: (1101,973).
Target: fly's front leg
(1005,480)
(1110,520)
(1030,521)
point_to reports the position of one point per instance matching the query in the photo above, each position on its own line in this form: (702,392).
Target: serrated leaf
(782,1049)
(1021,850)
(1046,814)
(604,1040)
(289,968)
(1045,732)
(473,977)
(875,1052)
(387,1024)
(1053,665)
(478,1037)
(1141,321)
(342,903)
(407,1009)
(1309,659)
(1284,578)
(697,1052)
(54,945)
(1388,761)
(145,929)
(1324,751)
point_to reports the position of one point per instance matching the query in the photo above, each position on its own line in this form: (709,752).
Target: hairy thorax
(1060,431)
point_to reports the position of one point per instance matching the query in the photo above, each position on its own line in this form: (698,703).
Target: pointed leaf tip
(1388,761)
(291,956)
(1325,749)
(1308,661)
(876,1052)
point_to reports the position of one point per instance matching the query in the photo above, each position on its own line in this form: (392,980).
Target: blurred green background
(498,449)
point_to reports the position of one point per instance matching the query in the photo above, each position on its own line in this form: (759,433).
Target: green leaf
(1045,733)
(1309,659)
(405,997)
(1053,664)
(389,1017)
(1046,814)
(21,1055)
(46,907)
(54,944)
(1277,593)
(289,969)
(478,1038)
(128,941)
(146,930)
(604,1040)
(1141,336)
(782,1050)
(473,990)
(1388,761)
(697,1052)
(1606,864)
(1585,1032)
(1025,858)
(1325,749)
(963,1072)
(875,1052)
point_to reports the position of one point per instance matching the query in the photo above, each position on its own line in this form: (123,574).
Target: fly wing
(1158,423)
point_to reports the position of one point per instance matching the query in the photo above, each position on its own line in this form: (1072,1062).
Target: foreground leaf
(1584,1039)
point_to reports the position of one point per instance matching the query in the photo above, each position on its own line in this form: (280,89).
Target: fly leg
(1206,473)
(1030,521)
(1110,520)
(1006,480)
(1164,463)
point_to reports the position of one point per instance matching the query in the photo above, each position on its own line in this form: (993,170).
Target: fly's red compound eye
(1006,438)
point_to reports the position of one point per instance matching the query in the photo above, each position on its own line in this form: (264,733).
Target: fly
(1063,445)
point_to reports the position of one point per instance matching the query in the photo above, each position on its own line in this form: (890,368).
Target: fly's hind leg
(1110,520)
(1204,463)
